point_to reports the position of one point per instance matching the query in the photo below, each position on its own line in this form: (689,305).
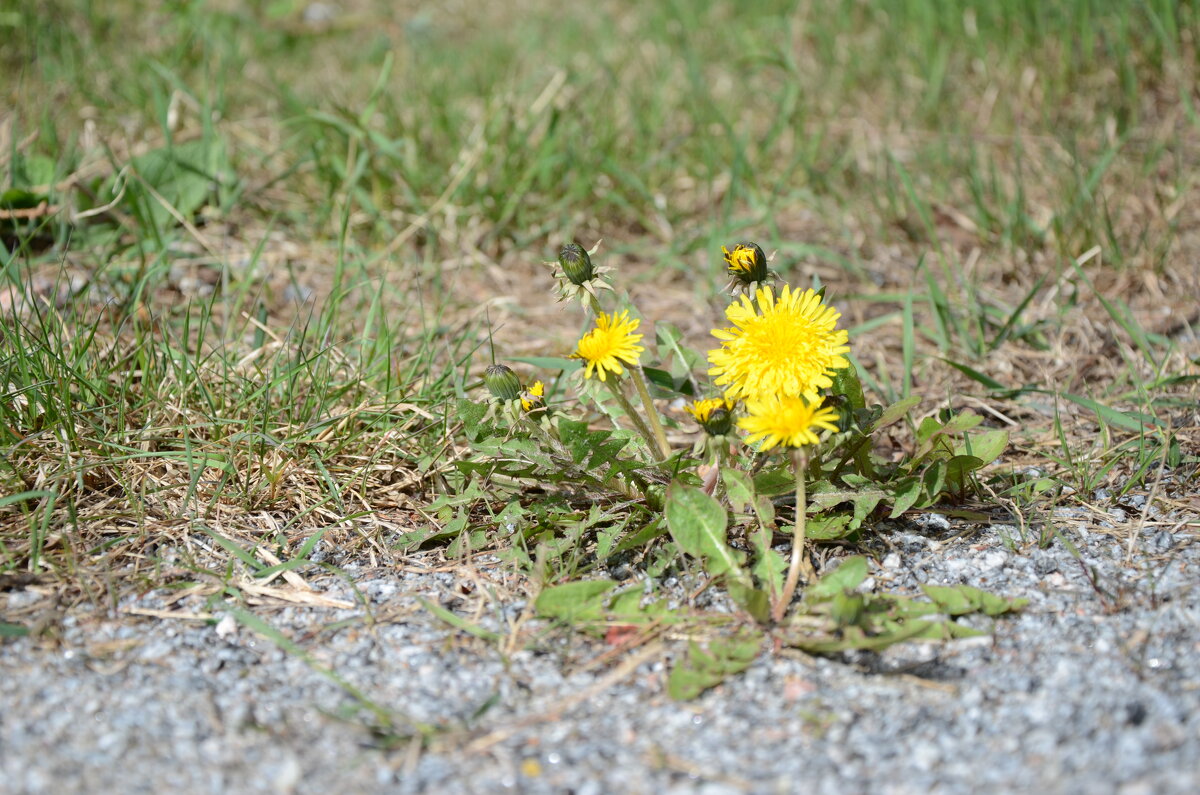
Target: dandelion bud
(576,264)
(715,415)
(746,263)
(502,382)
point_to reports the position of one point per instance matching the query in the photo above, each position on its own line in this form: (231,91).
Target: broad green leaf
(641,538)
(669,383)
(769,565)
(846,383)
(575,601)
(739,488)
(20,199)
(895,412)
(957,470)
(698,523)
(467,542)
(864,504)
(701,669)
(934,480)
(183,176)
(631,607)
(846,608)
(986,445)
(908,491)
(670,338)
(754,601)
(846,577)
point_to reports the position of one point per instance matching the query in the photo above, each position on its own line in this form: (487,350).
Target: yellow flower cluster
(778,354)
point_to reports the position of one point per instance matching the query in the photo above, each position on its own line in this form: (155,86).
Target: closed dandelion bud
(746,263)
(502,382)
(576,264)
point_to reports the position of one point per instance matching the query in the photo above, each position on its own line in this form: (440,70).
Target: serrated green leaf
(471,413)
(765,510)
(828,527)
(697,522)
(957,600)
(823,496)
(774,481)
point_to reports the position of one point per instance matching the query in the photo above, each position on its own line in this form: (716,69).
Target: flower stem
(639,381)
(799,557)
(631,412)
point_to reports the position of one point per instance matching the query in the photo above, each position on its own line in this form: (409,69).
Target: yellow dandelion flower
(714,415)
(785,420)
(791,348)
(534,397)
(611,342)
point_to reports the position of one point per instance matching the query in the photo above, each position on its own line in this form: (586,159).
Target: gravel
(1094,687)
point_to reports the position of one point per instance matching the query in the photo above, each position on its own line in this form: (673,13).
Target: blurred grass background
(250,249)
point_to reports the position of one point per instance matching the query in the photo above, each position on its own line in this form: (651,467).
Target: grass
(250,260)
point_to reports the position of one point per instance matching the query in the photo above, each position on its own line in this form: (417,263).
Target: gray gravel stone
(1095,687)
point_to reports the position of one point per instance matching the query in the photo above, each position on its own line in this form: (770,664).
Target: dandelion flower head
(789,346)
(784,420)
(611,342)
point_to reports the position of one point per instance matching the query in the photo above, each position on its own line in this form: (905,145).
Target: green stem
(660,435)
(631,412)
(799,558)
